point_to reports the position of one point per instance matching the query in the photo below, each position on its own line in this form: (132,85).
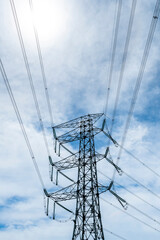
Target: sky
(75,39)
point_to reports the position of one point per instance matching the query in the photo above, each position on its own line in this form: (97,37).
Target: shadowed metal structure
(87,221)
(87,224)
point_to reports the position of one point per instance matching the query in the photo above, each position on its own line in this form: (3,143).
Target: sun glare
(50,18)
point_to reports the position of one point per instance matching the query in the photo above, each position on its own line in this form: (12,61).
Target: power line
(133,179)
(124,59)
(140,161)
(41,64)
(140,184)
(5,78)
(142,212)
(140,75)
(114,234)
(113,53)
(137,159)
(143,200)
(29,73)
(139,220)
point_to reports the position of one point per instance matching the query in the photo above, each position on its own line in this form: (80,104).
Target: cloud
(76,66)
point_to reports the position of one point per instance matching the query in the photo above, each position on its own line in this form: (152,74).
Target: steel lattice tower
(86,190)
(88,224)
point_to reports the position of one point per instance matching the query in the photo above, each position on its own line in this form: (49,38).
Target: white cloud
(76,70)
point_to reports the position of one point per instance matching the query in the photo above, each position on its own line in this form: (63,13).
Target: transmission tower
(86,190)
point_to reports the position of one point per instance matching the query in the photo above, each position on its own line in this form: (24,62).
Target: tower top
(77,121)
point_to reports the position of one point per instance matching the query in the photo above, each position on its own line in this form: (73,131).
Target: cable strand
(113,54)
(41,64)
(114,234)
(29,73)
(139,220)
(124,60)
(143,200)
(14,104)
(139,78)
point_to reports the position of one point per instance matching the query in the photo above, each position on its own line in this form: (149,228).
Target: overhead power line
(140,161)
(124,59)
(129,176)
(114,234)
(41,63)
(113,53)
(142,212)
(143,200)
(140,75)
(137,159)
(138,182)
(132,216)
(5,78)
(29,73)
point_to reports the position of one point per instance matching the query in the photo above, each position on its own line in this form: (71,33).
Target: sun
(49,17)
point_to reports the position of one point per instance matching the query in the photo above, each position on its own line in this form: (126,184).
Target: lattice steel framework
(88,224)
(87,221)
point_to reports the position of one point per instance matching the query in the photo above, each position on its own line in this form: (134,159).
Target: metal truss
(86,190)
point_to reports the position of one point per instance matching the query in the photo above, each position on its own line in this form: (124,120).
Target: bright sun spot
(50,18)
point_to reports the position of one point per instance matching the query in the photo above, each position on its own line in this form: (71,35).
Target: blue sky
(75,38)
